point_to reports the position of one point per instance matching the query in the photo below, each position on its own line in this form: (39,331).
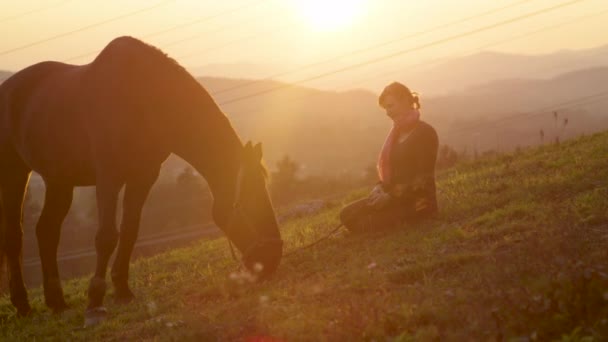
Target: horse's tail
(3,282)
(4,110)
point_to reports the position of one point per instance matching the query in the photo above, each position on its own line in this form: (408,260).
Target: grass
(518,253)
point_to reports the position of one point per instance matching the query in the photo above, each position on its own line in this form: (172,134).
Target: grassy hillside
(519,251)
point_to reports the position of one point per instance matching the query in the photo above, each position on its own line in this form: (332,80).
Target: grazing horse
(112,123)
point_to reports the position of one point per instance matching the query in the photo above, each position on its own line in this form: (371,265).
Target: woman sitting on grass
(406,168)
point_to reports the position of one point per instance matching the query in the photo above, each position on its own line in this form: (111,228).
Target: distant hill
(238,70)
(462,73)
(522,99)
(314,127)
(447,76)
(341,132)
(4,75)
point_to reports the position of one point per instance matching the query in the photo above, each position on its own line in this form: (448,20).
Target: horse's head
(251,223)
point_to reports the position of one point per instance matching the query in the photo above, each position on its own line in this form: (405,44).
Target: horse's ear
(257,151)
(248,145)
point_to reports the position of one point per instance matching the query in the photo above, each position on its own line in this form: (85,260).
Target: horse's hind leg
(57,201)
(136,192)
(13,182)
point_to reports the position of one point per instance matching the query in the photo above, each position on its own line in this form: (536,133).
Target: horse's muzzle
(264,257)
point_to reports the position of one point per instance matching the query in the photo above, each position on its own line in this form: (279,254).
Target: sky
(270,37)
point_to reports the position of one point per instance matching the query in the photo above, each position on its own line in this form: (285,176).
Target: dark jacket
(413,169)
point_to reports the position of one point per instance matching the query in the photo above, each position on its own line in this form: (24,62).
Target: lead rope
(232,250)
(235,209)
(332,232)
(237,194)
(328,235)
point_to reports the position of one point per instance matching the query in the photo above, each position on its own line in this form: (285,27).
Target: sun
(329,15)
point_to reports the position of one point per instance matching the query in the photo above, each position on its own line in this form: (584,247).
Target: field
(518,252)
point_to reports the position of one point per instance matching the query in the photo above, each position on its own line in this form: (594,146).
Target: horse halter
(237,210)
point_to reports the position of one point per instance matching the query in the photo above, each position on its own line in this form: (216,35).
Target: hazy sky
(277,35)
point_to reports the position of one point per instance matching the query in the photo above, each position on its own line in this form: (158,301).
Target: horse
(111,124)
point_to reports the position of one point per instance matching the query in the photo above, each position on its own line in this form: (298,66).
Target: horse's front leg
(105,242)
(136,193)
(57,201)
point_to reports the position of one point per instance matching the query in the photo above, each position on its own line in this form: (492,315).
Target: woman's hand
(415,186)
(378,198)
(381,201)
(377,190)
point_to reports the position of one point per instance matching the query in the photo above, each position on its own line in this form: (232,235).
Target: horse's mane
(126,53)
(134,48)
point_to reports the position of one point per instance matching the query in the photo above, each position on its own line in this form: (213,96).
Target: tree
(187,180)
(284,180)
(287,170)
(446,157)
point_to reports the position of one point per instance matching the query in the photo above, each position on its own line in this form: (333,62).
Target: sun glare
(329,15)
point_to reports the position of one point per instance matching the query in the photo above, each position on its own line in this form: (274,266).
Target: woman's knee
(353,210)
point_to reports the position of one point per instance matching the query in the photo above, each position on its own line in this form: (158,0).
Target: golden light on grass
(329,15)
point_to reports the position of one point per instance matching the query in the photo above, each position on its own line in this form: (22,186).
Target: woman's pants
(360,216)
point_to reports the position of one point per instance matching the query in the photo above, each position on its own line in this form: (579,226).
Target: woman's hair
(399,91)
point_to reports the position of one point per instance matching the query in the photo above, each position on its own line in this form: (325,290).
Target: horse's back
(38,93)
(42,120)
(121,110)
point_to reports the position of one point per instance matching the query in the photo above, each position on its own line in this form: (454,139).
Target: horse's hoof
(95,316)
(57,304)
(53,295)
(24,311)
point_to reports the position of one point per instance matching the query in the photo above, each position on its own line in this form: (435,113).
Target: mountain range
(331,132)
(444,76)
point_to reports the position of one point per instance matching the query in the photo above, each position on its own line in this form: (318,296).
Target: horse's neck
(213,148)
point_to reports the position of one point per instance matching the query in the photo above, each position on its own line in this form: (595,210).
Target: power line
(578,101)
(232,42)
(442,40)
(402,52)
(146,239)
(408,36)
(458,36)
(594,14)
(542,111)
(208,18)
(200,34)
(176,27)
(575,101)
(61,35)
(582,100)
(42,9)
(478,49)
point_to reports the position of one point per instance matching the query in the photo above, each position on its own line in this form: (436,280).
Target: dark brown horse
(111,123)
